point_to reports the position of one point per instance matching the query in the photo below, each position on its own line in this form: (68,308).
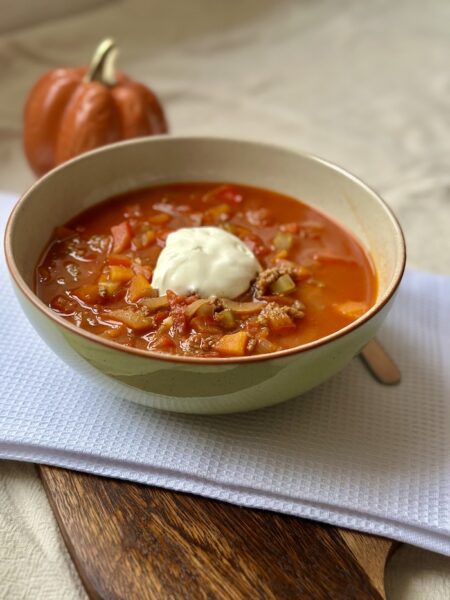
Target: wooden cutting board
(130,541)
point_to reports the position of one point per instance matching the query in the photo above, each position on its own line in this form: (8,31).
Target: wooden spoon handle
(380,364)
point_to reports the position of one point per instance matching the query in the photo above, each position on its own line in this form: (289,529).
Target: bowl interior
(127,166)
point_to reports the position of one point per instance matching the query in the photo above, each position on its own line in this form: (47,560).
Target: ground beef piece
(273,311)
(268,276)
(251,344)
(198,343)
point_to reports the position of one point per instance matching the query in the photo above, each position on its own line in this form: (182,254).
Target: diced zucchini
(226,319)
(283,285)
(283,240)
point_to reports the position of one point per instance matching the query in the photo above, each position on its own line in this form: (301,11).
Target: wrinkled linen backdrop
(365,85)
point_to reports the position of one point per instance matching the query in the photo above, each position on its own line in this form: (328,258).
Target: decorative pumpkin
(70,111)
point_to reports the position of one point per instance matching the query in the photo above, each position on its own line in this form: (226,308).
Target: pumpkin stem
(102,67)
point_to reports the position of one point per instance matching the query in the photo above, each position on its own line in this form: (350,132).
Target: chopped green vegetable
(226,319)
(283,240)
(283,285)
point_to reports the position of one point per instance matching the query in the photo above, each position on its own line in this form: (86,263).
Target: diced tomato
(262,217)
(161,316)
(119,259)
(290,228)
(121,237)
(256,245)
(145,270)
(89,294)
(177,304)
(164,340)
(161,236)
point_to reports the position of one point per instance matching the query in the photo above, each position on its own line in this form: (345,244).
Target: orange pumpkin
(70,111)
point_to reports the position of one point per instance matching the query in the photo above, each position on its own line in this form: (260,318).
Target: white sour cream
(207,261)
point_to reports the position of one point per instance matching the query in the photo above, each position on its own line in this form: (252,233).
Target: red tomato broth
(340,271)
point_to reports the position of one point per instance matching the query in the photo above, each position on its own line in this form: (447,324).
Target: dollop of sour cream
(207,261)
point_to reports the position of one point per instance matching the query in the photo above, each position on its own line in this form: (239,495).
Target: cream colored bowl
(186,384)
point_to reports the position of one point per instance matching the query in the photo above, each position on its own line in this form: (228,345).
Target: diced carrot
(145,270)
(135,320)
(350,309)
(114,332)
(216,214)
(233,344)
(121,236)
(143,240)
(290,228)
(160,218)
(281,255)
(147,238)
(119,259)
(280,321)
(120,274)
(88,293)
(139,288)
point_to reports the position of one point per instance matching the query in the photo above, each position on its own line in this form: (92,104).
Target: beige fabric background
(366,85)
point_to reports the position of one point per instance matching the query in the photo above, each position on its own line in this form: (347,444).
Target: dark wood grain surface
(130,541)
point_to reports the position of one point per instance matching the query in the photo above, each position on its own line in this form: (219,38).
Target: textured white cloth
(351,452)
(363,84)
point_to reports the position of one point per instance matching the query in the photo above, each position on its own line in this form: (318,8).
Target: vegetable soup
(206,270)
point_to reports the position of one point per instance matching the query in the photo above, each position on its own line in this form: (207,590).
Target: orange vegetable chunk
(233,344)
(350,309)
(139,288)
(119,259)
(120,274)
(88,293)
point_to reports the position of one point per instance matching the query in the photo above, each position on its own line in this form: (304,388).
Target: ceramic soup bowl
(191,384)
